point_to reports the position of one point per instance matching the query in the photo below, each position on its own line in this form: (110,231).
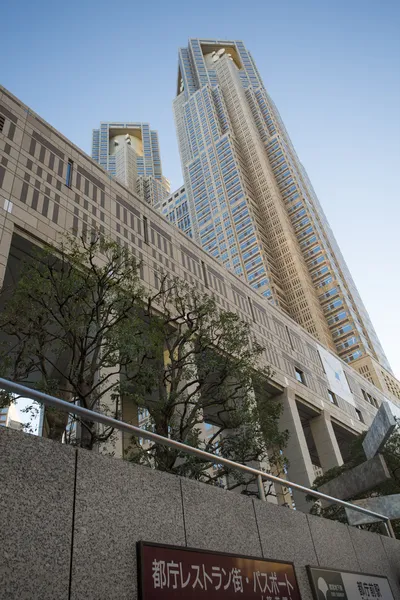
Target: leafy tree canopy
(80,325)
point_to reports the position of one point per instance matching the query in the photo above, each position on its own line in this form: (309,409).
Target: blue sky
(333,69)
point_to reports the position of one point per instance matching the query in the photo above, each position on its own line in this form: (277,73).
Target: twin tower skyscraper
(246,197)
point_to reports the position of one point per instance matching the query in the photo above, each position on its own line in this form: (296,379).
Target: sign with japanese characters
(328,584)
(173,572)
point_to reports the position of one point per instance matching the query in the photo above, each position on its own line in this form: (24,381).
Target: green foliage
(210,374)
(391,453)
(79,325)
(64,327)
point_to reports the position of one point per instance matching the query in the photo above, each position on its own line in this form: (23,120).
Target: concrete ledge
(36,511)
(333,544)
(118,504)
(219,520)
(285,535)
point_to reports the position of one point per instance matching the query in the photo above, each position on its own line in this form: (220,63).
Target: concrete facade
(38,207)
(254,207)
(70,520)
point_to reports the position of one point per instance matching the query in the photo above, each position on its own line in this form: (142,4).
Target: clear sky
(333,69)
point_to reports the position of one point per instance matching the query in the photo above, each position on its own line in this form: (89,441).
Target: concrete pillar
(129,415)
(6,233)
(325,441)
(300,468)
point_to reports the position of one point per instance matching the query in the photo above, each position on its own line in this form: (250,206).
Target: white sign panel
(336,376)
(329,584)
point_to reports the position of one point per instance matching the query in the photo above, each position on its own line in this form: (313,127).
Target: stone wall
(70,520)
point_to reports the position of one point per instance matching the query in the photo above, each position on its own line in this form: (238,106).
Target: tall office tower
(130,152)
(176,209)
(252,204)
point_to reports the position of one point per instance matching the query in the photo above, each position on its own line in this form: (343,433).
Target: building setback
(253,206)
(130,152)
(49,187)
(176,209)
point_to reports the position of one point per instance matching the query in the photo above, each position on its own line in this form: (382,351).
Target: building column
(300,466)
(325,441)
(7,230)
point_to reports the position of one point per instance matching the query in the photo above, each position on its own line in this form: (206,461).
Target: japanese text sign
(167,572)
(329,584)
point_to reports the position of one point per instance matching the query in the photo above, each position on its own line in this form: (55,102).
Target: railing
(21,390)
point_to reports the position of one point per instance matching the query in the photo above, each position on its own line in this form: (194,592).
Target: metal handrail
(91,415)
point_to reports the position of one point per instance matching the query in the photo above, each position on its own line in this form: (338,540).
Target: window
(332,398)
(300,376)
(359,415)
(2,121)
(145,231)
(70,166)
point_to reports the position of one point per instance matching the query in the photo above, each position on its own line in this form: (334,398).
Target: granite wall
(70,520)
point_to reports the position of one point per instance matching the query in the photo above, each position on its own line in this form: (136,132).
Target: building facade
(9,418)
(49,187)
(175,208)
(130,152)
(253,206)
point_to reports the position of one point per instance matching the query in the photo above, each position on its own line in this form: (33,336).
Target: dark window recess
(145,230)
(332,398)
(55,213)
(35,199)
(32,147)
(11,132)
(2,121)
(24,192)
(300,376)
(359,415)
(250,305)
(45,208)
(203,268)
(70,168)
(42,154)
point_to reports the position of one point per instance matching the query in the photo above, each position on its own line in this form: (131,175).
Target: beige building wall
(36,203)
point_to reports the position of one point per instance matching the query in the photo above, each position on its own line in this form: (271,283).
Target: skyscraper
(176,209)
(252,204)
(130,152)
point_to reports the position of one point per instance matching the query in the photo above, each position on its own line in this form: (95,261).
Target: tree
(209,376)
(391,454)
(64,330)
(79,325)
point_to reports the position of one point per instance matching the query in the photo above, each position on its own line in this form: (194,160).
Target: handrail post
(389,529)
(261,490)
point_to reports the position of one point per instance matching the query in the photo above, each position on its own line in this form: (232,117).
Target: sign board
(329,584)
(174,572)
(336,376)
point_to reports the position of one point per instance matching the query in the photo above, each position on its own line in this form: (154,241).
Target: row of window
(300,377)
